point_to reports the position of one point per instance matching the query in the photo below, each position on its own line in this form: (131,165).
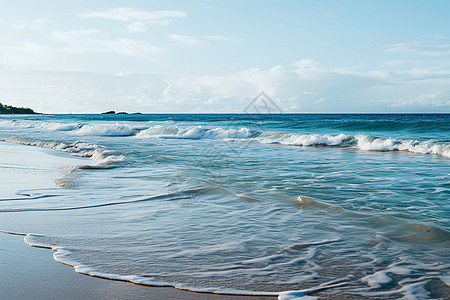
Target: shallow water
(246,203)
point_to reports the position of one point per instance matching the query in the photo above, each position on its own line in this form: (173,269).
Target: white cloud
(434,99)
(79,49)
(319,101)
(306,87)
(74,36)
(130,14)
(191,41)
(128,47)
(77,91)
(419,48)
(218,38)
(186,40)
(302,86)
(137,26)
(30,24)
(89,41)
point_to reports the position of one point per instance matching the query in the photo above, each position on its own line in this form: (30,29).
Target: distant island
(112,112)
(8,109)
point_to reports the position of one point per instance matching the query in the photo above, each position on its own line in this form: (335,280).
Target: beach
(31,272)
(289,150)
(293,206)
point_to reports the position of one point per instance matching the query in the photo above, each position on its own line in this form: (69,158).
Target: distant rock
(112,112)
(8,109)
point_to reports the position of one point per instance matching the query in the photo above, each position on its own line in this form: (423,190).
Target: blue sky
(216,56)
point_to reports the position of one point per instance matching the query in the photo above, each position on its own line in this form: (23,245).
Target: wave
(105,130)
(156,131)
(103,159)
(195,132)
(76,148)
(64,256)
(101,162)
(360,142)
(59,126)
(77,128)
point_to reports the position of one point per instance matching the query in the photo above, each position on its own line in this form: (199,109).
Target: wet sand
(32,273)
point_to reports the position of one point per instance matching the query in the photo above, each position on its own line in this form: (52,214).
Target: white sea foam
(415,291)
(53,126)
(293,139)
(380,278)
(59,126)
(194,132)
(105,130)
(98,129)
(410,291)
(15,123)
(102,158)
(76,148)
(360,142)
(64,256)
(69,180)
(377,279)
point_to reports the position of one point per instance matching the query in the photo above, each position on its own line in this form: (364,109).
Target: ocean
(255,204)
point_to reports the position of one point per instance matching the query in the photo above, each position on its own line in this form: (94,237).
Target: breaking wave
(76,148)
(360,142)
(59,126)
(105,130)
(195,132)
(101,157)
(77,128)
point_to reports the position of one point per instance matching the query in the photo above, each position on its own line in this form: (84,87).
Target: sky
(216,56)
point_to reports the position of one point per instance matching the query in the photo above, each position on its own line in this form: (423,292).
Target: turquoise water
(246,204)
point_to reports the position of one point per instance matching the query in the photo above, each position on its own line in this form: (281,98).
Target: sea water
(326,205)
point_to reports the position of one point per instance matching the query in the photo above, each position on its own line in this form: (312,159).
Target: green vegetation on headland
(8,109)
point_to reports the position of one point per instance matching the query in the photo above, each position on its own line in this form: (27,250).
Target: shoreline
(30,272)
